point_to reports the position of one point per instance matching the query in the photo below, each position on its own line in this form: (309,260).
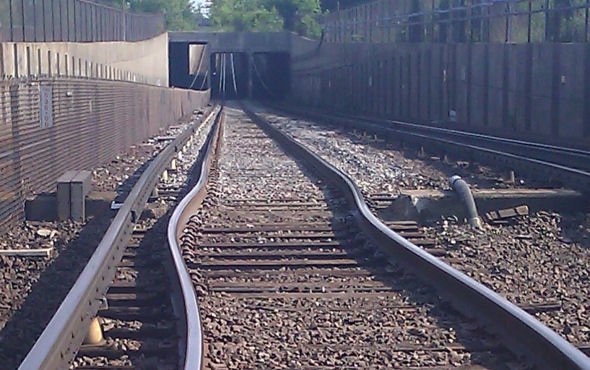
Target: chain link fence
(73,20)
(509,21)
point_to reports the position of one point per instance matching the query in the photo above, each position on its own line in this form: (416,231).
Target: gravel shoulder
(541,260)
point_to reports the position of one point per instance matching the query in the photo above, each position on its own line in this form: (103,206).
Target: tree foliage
(244,15)
(267,15)
(180,14)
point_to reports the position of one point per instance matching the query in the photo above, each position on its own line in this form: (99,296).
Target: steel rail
(565,156)
(520,331)
(62,337)
(193,347)
(571,165)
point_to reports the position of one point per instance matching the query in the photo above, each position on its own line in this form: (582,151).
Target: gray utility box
(72,189)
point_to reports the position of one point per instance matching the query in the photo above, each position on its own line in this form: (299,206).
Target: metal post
(22,4)
(507,30)
(432,21)
(53,20)
(75,22)
(587,15)
(530,22)
(44,20)
(61,21)
(68,20)
(10,20)
(34,21)
(547,22)
(468,23)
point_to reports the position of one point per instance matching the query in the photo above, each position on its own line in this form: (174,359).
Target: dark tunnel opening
(188,65)
(271,75)
(229,76)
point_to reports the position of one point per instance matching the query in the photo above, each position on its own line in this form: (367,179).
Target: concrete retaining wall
(142,61)
(50,126)
(533,91)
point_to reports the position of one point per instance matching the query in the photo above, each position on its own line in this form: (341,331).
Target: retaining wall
(141,61)
(53,125)
(532,91)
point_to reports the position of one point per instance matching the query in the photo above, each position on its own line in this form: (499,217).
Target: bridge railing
(519,21)
(73,20)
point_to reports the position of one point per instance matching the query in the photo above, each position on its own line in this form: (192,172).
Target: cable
(261,79)
(233,74)
(199,67)
(204,79)
(218,62)
(223,60)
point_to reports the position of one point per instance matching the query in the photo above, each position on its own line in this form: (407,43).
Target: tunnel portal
(248,65)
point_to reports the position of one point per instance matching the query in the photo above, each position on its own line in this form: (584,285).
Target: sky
(197,2)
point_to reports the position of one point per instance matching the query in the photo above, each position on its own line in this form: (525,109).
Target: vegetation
(234,15)
(267,15)
(180,14)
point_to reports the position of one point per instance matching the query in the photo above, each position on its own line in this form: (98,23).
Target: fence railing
(73,20)
(518,21)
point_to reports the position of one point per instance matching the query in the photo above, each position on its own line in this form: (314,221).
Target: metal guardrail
(64,334)
(73,20)
(518,329)
(462,21)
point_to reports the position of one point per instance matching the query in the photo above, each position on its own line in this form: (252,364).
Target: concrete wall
(242,42)
(54,125)
(532,91)
(142,61)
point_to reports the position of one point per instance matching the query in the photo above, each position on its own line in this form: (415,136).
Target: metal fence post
(22,6)
(10,17)
(547,22)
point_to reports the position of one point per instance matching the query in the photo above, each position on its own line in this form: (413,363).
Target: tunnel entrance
(271,75)
(188,65)
(229,76)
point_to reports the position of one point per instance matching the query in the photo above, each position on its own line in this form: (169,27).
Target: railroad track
(285,274)
(562,165)
(538,261)
(125,311)
(140,327)
(282,266)
(291,269)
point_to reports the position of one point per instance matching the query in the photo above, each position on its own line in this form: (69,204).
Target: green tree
(244,15)
(267,15)
(180,14)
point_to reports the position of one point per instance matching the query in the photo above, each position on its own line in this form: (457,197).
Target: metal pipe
(464,193)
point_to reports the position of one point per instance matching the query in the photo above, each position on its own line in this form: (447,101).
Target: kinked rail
(518,330)
(184,210)
(59,342)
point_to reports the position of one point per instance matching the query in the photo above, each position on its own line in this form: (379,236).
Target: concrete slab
(63,195)
(43,207)
(424,204)
(81,185)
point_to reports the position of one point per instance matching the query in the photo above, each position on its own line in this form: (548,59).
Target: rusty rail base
(193,346)
(59,342)
(520,331)
(449,141)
